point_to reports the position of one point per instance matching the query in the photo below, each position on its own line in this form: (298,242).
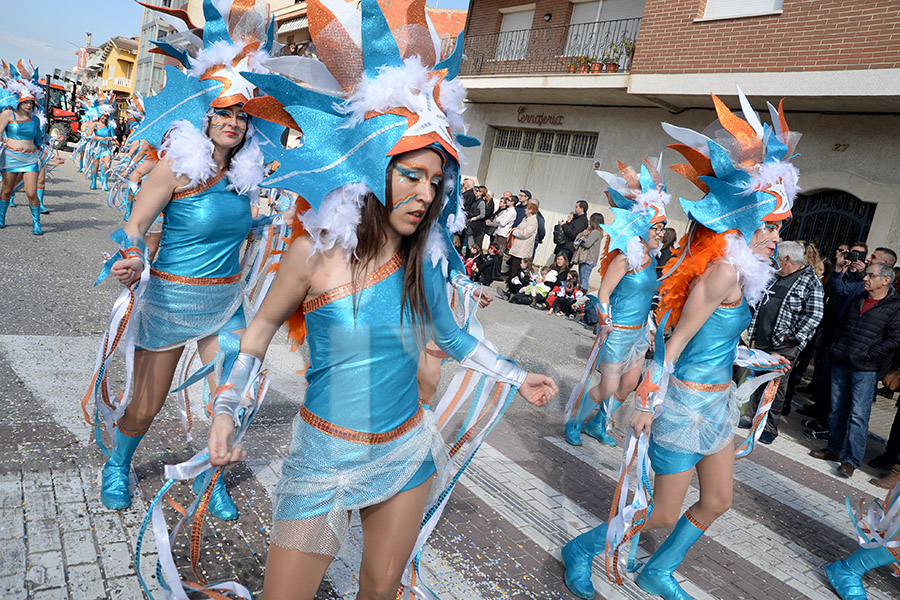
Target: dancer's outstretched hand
(483,297)
(127,270)
(221,437)
(538,389)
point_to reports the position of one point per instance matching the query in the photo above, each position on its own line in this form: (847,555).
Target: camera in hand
(854,255)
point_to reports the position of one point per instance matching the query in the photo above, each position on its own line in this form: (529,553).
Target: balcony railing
(600,47)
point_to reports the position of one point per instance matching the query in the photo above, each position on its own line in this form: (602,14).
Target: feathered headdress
(638,201)
(22,83)
(236,36)
(375,94)
(743,167)
(135,111)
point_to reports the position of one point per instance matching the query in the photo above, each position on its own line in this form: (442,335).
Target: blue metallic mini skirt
(17,161)
(624,347)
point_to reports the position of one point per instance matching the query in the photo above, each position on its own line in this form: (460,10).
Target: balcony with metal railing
(599,47)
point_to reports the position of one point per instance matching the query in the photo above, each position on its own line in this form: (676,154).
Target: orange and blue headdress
(638,202)
(374,94)
(743,167)
(20,83)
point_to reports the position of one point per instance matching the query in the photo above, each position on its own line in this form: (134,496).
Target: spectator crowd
(839,314)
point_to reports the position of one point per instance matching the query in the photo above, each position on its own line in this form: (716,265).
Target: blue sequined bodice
(631,301)
(709,356)
(108,131)
(24,130)
(203,232)
(362,372)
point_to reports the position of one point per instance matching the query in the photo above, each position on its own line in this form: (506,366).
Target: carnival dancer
(23,140)
(103,132)
(687,402)
(369,279)
(626,295)
(204,182)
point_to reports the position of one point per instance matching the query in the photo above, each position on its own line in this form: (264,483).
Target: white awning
(293,25)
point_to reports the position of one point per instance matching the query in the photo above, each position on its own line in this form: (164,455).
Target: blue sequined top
(26,130)
(632,299)
(362,372)
(709,356)
(203,231)
(108,131)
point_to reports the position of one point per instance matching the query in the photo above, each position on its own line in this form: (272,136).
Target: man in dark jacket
(868,337)
(565,232)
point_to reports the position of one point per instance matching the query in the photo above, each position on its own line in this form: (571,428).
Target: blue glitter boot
(597,427)
(578,557)
(656,577)
(36,220)
(94,181)
(845,575)
(221,505)
(105,180)
(4,206)
(115,493)
(574,425)
(40,195)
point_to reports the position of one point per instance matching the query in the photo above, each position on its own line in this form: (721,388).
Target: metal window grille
(529,138)
(545,142)
(583,145)
(561,145)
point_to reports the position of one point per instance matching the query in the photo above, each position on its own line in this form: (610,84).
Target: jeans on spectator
(852,393)
(584,274)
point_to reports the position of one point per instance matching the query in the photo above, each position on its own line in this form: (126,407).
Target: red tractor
(62,119)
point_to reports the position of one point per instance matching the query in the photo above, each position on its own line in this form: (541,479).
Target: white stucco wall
(865,164)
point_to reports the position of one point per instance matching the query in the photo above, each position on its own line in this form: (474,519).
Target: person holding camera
(565,232)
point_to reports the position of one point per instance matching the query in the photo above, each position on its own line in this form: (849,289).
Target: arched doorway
(829,218)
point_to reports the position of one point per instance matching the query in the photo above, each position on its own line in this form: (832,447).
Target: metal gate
(830,218)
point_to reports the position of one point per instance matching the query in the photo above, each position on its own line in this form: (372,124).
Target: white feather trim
(772,173)
(218,53)
(189,152)
(247,168)
(658,199)
(754,271)
(635,253)
(337,219)
(452,94)
(436,248)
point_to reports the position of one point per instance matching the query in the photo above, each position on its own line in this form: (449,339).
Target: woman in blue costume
(687,401)
(209,168)
(371,296)
(103,131)
(626,295)
(23,140)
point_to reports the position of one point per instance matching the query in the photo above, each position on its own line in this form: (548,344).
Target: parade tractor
(62,120)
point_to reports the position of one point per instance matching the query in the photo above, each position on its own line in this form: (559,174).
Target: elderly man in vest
(784,323)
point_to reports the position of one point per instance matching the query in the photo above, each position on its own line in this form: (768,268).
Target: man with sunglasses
(868,337)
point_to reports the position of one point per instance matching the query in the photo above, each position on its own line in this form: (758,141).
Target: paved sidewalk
(525,495)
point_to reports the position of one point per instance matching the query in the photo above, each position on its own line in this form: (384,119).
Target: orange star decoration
(236,90)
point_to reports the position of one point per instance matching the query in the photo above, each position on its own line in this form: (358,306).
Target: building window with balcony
(604,31)
(515,29)
(734,9)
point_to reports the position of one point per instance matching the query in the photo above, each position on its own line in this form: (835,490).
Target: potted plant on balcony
(611,57)
(596,65)
(628,45)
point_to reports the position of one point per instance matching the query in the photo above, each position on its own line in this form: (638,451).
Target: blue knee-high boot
(40,195)
(115,492)
(656,577)
(578,557)
(4,206)
(574,425)
(36,220)
(221,505)
(128,205)
(846,575)
(93,181)
(105,179)
(597,427)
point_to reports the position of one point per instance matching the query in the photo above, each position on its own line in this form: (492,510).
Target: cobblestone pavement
(525,495)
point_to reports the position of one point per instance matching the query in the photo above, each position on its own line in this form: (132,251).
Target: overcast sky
(50,31)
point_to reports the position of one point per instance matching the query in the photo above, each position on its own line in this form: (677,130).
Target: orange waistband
(627,327)
(360,437)
(24,151)
(195,280)
(704,387)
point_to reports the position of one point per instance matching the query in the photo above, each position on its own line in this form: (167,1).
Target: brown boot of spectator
(889,480)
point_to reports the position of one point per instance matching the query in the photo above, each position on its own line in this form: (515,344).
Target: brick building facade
(559,88)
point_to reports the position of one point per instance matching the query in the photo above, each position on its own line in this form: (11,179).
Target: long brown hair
(371,235)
